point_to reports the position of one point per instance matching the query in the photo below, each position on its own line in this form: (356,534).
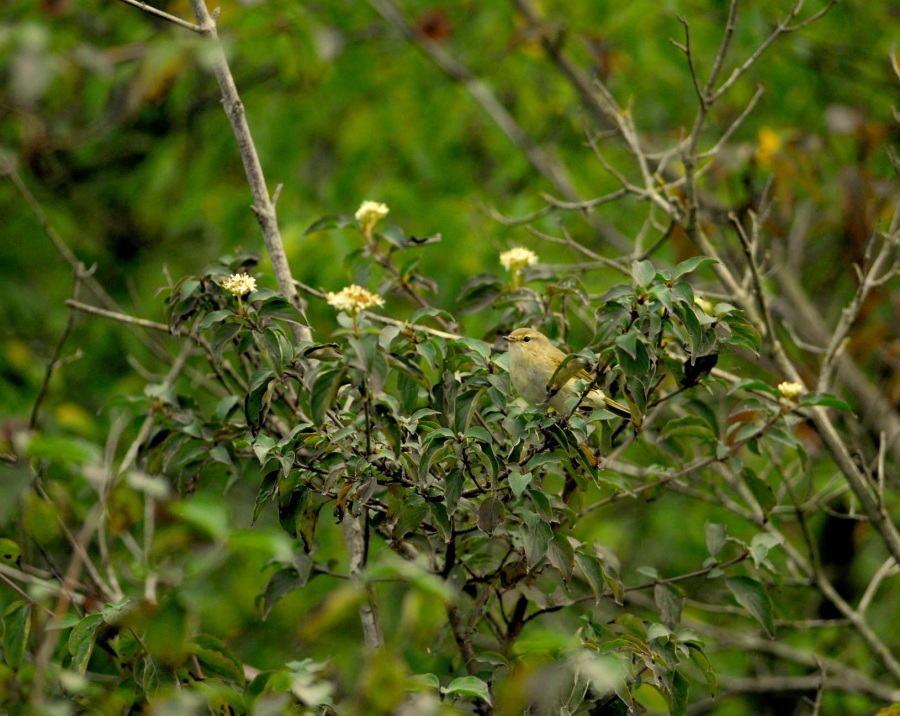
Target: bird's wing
(570,366)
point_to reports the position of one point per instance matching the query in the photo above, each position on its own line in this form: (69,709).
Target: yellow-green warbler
(533,360)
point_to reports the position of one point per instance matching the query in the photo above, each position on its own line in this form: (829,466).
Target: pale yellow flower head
(239,284)
(518,258)
(353,299)
(790,391)
(370,213)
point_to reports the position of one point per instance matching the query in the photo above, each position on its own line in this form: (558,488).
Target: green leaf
(542,458)
(261,447)
(215,317)
(222,336)
(430,312)
(690,265)
(699,657)
(215,655)
(688,426)
(589,566)
(670,603)
(490,515)
(537,538)
(427,680)
(761,490)
(760,546)
(259,396)
(324,391)
(114,614)
(284,581)
(277,306)
(561,555)
(663,294)
(478,292)
(519,480)
(441,520)
(469,686)
(440,433)
(331,221)
(751,384)
(715,537)
(83,639)
(680,688)
(824,400)
(480,348)
(453,487)
(642,273)
(16,630)
(413,511)
(478,434)
(752,595)
(268,490)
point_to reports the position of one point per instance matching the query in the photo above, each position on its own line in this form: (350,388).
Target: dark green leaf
(16,630)
(412,513)
(589,566)
(453,487)
(215,655)
(478,292)
(751,384)
(284,581)
(699,657)
(761,490)
(83,639)
(680,687)
(214,317)
(490,515)
(441,520)
(753,596)
(331,221)
(537,537)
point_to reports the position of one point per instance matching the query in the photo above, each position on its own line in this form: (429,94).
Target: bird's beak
(509,339)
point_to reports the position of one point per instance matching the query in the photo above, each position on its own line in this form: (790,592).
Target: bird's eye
(526,339)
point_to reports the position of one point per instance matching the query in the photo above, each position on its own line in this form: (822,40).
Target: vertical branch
(263,206)
(355,536)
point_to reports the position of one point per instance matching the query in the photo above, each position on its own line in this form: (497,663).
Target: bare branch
(783,27)
(156,12)
(880,268)
(262,202)
(116,316)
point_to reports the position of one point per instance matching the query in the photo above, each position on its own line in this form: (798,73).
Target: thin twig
(156,12)
(117,316)
(54,361)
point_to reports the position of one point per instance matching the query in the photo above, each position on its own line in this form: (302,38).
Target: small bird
(533,360)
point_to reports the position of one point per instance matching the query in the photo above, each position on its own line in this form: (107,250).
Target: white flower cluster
(790,391)
(518,258)
(353,299)
(370,213)
(239,284)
